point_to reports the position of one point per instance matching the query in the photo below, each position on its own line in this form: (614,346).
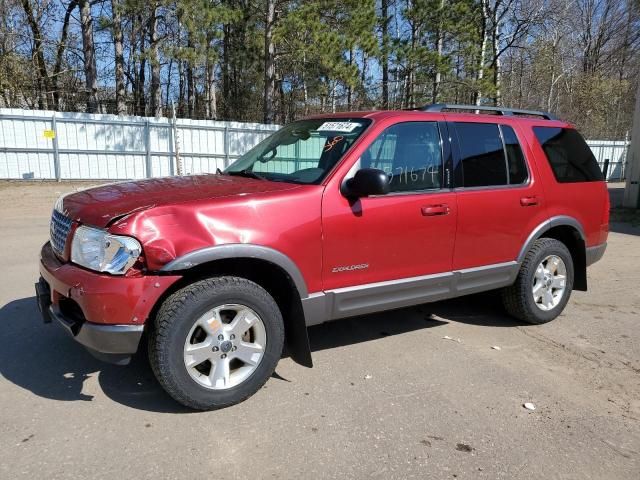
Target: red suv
(332,216)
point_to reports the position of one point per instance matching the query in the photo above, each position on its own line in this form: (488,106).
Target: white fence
(48,145)
(616,152)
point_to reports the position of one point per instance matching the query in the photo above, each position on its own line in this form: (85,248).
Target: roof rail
(439,107)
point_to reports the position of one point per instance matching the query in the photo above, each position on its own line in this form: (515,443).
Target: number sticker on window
(338,127)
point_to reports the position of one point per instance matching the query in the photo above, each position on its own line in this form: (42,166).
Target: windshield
(301,152)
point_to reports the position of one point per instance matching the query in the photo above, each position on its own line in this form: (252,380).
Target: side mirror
(366,181)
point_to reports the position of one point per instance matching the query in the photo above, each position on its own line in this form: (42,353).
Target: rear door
(499,200)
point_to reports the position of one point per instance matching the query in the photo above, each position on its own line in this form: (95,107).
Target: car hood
(99,206)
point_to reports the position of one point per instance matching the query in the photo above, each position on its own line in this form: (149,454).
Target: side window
(482,154)
(518,173)
(570,157)
(411,155)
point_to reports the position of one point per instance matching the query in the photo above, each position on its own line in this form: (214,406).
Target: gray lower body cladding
(374,297)
(594,254)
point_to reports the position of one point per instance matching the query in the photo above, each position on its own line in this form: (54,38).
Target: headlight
(98,250)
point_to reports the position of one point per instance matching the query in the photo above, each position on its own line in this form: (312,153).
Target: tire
(519,299)
(181,321)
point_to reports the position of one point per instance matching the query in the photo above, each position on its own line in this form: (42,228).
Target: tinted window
(515,159)
(410,154)
(569,155)
(483,162)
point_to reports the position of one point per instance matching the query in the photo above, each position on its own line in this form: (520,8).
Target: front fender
(240,250)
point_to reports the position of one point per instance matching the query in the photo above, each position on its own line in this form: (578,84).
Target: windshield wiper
(246,173)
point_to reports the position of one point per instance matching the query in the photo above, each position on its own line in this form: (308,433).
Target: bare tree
(155,98)
(269,62)
(89,53)
(384,24)
(118,46)
(38,54)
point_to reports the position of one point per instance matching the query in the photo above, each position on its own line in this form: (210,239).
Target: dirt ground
(388,397)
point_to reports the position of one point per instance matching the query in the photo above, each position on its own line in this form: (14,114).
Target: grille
(60,226)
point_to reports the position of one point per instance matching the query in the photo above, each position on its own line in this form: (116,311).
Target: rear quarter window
(568,154)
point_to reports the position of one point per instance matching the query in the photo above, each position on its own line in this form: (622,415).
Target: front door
(373,242)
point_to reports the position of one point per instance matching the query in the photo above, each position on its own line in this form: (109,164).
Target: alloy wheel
(549,282)
(225,346)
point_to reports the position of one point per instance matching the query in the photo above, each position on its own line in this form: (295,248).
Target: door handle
(432,210)
(529,201)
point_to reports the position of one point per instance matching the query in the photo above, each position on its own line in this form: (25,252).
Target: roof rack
(439,107)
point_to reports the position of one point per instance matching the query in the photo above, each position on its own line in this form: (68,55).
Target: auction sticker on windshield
(338,126)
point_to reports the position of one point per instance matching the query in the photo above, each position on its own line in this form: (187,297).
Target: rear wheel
(544,283)
(216,342)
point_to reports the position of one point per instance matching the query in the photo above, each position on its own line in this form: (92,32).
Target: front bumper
(110,343)
(104,313)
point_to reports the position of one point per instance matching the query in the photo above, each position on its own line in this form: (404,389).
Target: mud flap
(43,297)
(297,337)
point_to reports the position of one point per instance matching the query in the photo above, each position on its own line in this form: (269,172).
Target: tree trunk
(349,88)
(283,106)
(521,78)
(458,76)
(181,88)
(410,93)
(384,13)
(226,83)
(191,92)
(363,79)
(439,49)
(483,53)
(552,79)
(89,53)
(141,78)
(269,63)
(191,83)
(41,66)
(495,44)
(155,96)
(305,90)
(212,110)
(118,45)
(138,36)
(132,66)
(62,45)
(168,85)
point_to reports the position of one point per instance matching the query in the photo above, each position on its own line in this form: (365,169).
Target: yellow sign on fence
(50,134)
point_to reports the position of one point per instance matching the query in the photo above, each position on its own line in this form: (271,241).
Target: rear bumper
(104,313)
(595,253)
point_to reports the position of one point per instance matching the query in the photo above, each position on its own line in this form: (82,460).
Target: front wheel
(544,283)
(216,342)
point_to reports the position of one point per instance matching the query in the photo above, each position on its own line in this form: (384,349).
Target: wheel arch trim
(240,250)
(557,221)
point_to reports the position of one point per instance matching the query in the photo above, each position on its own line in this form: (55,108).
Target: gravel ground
(388,397)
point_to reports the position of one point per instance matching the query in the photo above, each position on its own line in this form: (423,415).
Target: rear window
(570,157)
